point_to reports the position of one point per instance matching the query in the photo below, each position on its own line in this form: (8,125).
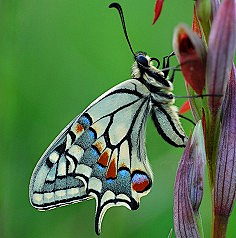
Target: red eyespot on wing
(140,181)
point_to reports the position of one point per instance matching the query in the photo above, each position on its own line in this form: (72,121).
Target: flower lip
(191,53)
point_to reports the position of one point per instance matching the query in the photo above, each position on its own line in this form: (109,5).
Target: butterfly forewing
(100,154)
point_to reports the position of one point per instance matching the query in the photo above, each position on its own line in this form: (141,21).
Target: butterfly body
(101,154)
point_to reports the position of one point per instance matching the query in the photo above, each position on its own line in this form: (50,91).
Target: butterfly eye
(142,60)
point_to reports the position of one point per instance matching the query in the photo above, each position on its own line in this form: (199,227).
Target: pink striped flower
(206,55)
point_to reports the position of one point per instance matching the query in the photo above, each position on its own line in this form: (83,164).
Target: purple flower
(221,52)
(206,85)
(225,182)
(214,6)
(189,185)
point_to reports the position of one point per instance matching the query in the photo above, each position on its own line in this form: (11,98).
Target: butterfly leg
(187,119)
(166,63)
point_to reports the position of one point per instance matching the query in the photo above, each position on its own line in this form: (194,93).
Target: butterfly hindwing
(101,154)
(167,122)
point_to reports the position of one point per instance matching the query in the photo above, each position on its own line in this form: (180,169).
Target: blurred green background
(56,57)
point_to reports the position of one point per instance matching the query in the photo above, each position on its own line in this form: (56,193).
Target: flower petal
(184,108)
(157,10)
(196,25)
(197,160)
(221,52)
(191,53)
(189,185)
(214,7)
(225,183)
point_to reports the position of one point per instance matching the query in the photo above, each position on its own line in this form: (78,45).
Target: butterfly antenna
(118,7)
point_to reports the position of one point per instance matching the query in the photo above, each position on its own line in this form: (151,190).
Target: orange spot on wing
(103,160)
(99,146)
(111,172)
(79,128)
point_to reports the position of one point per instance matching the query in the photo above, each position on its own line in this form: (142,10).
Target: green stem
(199,224)
(212,139)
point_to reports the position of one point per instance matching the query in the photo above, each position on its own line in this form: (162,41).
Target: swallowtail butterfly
(101,153)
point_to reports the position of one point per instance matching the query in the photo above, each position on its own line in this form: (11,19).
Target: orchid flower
(189,186)
(206,55)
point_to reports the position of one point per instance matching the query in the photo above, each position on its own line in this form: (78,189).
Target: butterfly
(101,153)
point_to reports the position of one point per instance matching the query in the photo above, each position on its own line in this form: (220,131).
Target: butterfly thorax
(153,78)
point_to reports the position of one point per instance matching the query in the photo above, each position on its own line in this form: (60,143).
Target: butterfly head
(144,69)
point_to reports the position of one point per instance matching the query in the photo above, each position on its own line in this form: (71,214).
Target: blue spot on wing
(94,152)
(124,173)
(85,120)
(109,181)
(101,168)
(92,134)
(139,178)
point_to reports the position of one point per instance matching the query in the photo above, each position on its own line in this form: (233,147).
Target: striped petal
(214,7)
(189,186)
(221,52)
(225,183)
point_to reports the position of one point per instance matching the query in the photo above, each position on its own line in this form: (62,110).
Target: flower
(191,53)
(225,182)
(206,57)
(189,185)
(221,52)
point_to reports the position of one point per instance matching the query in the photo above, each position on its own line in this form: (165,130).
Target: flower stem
(212,139)
(199,224)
